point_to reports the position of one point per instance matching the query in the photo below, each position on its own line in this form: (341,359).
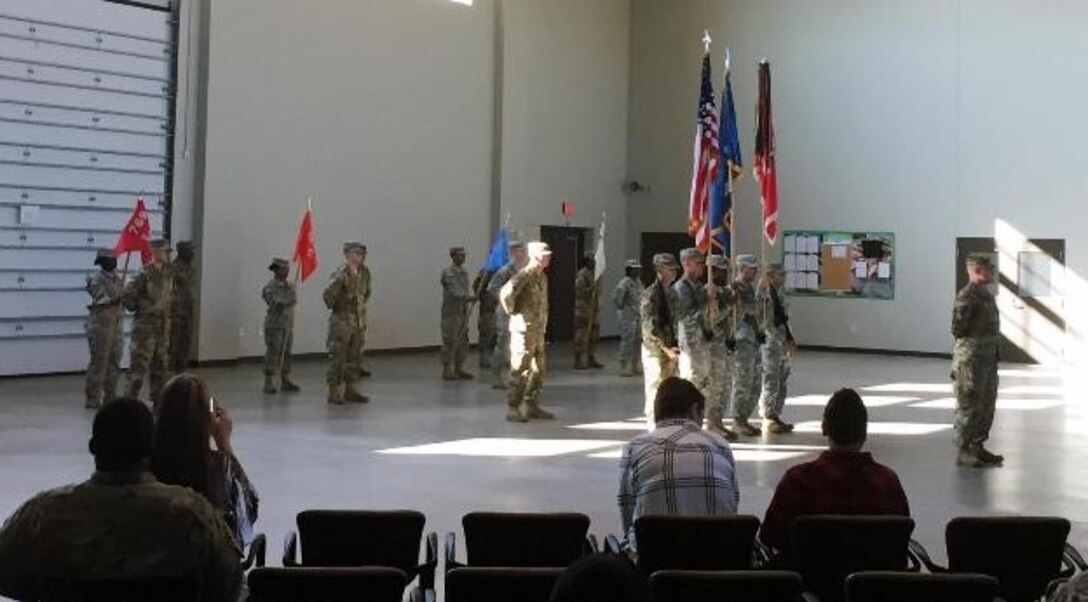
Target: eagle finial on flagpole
(706,41)
(727,59)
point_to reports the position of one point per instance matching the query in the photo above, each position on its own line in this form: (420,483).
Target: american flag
(707,161)
(764,156)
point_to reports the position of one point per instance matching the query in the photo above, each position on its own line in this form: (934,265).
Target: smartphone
(211,405)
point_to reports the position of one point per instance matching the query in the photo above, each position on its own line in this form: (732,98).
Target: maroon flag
(763,164)
(137,234)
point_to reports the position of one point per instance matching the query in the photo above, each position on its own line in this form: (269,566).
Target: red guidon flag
(137,234)
(305,251)
(763,164)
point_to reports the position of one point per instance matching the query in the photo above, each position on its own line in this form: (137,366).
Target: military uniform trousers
(655,369)
(454,339)
(587,331)
(776,372)
(104,340)
(747,366)
(345,347)
(148,356)
(527,365)
(720,382)
(485,329)
(630,339)
(500,361)
(181,341)
(974,367)
(277,351)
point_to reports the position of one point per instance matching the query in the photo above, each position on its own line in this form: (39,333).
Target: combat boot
(513,414)
(287,385)
(776,425)
(593,363)
(335,397)
(498,385)
(579,363)
(92,404)
(363,372)
(535,412)
(627,369)
(350,394)
(745,428)
(989,457)
(460,373)
(269,386)
(716,426)
(448,373)
(968,456)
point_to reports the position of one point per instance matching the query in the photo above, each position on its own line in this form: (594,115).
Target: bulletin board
(848,265)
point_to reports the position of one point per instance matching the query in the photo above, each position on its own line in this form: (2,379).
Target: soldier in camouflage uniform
(750,335)
(777,351)
(119,524)
(500,362)
(719,381)
(485,323)
(279,322)
(457,302)
(103,328)
(587,325)
(525,298)
(692,329)
(660,352)
(182,307)
(346,296)
(149,294)
(976,325)
(626,298)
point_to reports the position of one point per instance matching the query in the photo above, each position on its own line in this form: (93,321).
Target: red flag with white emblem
(764,166)
(137,234)
(305,250)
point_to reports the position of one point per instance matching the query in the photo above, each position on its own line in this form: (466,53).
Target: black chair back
(184,588)
(716,586)
(828,548)
(494,539)
(346,538)
(498,584)
(695,543)
(309,584)
(1023,553)
(890,586)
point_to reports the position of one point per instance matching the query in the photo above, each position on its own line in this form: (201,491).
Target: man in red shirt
(843,480)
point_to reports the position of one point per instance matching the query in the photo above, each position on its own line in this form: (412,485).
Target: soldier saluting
(976,325)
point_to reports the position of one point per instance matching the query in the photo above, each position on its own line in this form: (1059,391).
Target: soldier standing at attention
(525,298)
(485,324)
(500,362)
(587,325)
(346,296)
(279,322)
(456,306)
(625,297)
(777,351)
(182,307)
(148,295)
(976,325)
(751,334)
(660,352)
(721,349)
(692,329)
(103,328)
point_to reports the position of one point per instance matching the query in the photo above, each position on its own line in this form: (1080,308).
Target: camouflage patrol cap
(354,245)
(691,254)
(774,268)
(516,245)
(747,261)
(632,264)
(718,262)
(159,244)
(980,260)
(184,245)
(102,255)
(456,250)
(664,260)
(539,249)
(278,262)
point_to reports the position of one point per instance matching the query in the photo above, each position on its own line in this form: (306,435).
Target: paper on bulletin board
(838,251)
(813,244)
(790,262)
(812,281)
(789,244)
(861,270)
(884,270)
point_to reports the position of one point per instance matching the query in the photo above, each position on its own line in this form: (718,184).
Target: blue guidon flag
(721,198)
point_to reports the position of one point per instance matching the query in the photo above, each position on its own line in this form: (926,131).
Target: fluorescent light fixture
(910,388)
(499,447)
(885,428)
(872,401)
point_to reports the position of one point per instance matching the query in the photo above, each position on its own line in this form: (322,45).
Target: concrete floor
(302,453)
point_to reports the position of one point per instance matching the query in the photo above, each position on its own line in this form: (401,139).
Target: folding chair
(716,586)
(308,584)
(706,543)
(494,539)
(890,586)
(495,584)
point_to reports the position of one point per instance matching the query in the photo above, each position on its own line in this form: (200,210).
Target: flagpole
(298,278)
(115,322)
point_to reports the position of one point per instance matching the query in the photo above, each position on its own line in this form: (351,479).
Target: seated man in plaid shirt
(843,480)
(677,468)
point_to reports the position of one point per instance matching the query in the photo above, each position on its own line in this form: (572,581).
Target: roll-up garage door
(86,128)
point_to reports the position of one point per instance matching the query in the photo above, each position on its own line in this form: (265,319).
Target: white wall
(928,118)
(380,110)
(565,68)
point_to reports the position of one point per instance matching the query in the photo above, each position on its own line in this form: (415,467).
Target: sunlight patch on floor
(502,447)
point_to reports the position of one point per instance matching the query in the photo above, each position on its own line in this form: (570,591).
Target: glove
(761,338)
(731,343)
